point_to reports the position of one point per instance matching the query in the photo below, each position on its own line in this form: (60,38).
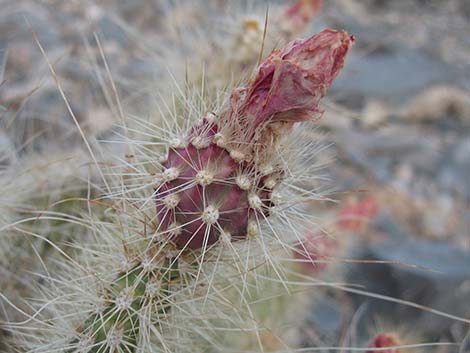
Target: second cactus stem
(115,324)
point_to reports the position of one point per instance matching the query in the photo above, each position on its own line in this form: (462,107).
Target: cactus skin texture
(383,340)
(221,177)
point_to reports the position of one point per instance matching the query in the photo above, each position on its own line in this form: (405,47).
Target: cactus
(151,282)
(221,177)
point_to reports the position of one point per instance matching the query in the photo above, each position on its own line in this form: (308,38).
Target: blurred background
(397,124)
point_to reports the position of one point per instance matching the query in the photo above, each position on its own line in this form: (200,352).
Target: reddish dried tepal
(355,215)
(384,340)
(316,251)
(301,13)
(219,178)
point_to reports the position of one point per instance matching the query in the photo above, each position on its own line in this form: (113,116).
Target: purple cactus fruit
(219,178)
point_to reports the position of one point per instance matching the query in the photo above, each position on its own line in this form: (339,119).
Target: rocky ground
(405,140)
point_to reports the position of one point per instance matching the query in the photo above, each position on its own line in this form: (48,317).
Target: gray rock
(454,176)
(111,31)
(447,262)
(437,278)
(326,317)
(395,76)
(380,151)
(3,59)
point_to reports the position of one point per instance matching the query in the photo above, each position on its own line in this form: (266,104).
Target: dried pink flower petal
(302,12)
(291,82)
(355,215)
(384,340)
(316,251)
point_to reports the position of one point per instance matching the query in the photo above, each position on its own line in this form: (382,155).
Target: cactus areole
(220,179)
